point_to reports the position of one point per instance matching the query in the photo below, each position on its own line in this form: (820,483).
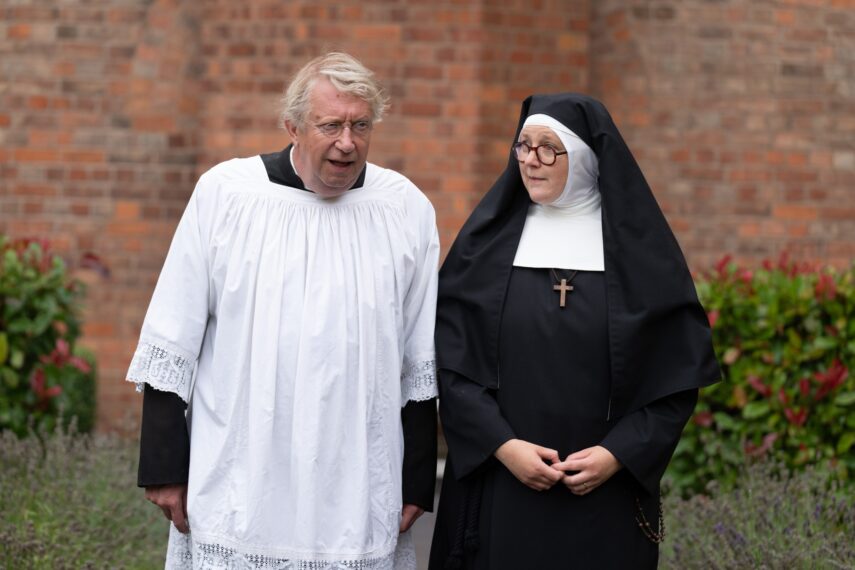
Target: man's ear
(292,132)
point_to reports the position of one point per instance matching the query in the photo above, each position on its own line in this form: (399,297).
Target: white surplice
(297,327)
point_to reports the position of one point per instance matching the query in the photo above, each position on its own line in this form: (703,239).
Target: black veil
(659,335)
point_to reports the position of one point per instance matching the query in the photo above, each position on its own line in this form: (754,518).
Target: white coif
(567,233)
(310,323)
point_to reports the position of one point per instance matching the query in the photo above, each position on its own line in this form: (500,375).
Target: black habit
(619,367)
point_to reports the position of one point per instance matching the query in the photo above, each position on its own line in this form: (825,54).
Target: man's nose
(344,142)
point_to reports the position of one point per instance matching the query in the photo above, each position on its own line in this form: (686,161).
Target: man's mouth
(340,163)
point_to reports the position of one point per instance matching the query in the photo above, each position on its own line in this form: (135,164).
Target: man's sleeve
(177,316)
(164,440)
(472,422)
(170,341)
(418,371)
(644,440)
(419,476)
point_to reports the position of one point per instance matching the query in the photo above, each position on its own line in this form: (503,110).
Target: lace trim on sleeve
(418,381)
(162,367)
(184,553)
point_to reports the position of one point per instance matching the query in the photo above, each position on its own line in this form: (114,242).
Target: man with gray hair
(295,315)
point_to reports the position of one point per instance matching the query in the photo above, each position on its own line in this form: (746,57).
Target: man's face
(329,165)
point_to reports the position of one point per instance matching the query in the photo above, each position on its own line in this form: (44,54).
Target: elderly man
(295,314)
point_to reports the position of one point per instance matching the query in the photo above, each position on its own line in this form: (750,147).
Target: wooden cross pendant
(564,288)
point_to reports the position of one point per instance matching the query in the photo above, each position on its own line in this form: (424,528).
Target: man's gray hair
(346,74)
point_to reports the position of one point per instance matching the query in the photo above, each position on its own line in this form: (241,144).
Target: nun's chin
(542,198)
(543,191)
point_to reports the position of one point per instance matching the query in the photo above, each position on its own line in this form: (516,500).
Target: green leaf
(4,348)
(845,399)
(824,343)
(11,259)
(17,359)
(10,377)
(845,442)
(725,421)
(21,325)
(41,323)
(730,355)
(794,337)
(755,410)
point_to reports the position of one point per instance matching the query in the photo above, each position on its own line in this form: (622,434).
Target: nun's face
(544,183)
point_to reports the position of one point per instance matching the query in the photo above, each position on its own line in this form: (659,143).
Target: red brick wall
(741,114)
(456,71)
(98,121)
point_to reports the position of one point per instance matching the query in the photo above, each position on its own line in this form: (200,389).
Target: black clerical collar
(280,170)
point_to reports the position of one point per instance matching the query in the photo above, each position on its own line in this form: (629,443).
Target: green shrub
(41,370)
(785,337)
(772,519)
(71,501)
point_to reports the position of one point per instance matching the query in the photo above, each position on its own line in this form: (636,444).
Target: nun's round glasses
(334,129)
(546,154)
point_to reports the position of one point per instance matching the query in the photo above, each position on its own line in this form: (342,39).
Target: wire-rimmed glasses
(333,129)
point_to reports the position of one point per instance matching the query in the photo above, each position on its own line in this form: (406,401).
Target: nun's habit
(618,366)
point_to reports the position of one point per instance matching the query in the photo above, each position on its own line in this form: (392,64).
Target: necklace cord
(558,279)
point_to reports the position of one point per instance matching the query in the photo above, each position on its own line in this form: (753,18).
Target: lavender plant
(69,501)
(772,519)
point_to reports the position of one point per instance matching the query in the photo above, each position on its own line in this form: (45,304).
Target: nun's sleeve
(472,423)
(644,440)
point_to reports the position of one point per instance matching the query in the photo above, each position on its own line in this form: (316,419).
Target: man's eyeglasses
(333,130)
(546,154)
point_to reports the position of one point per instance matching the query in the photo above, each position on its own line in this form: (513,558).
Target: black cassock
(554,392)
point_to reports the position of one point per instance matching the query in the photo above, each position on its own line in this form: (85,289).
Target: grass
(71,501)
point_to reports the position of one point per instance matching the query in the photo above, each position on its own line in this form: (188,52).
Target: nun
(571,346)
